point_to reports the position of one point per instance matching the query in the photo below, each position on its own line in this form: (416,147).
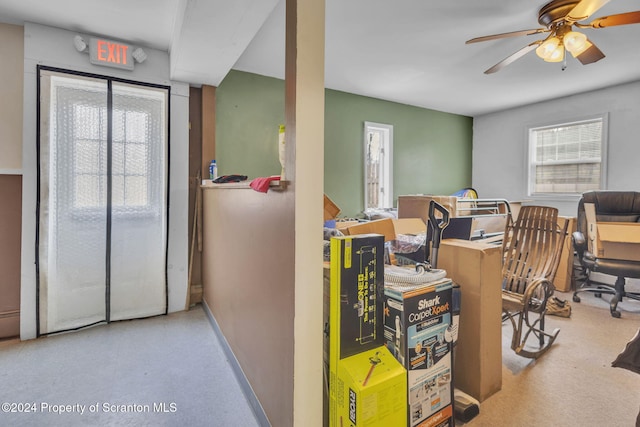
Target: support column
(304,119)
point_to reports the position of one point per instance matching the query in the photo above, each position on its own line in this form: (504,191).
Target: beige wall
(248,277)
(11,78)
(10,219)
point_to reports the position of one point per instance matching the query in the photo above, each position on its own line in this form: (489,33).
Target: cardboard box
(564,275)
(380,226)
(488,225)
(357,286)
(417,206)
(366,383)
(413,226)
(418,331)
(331,210)
(618,240)
(477,267)
(612,240)
(370,391)
(342,224)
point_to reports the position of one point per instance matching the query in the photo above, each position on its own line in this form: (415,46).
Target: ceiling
(407,51)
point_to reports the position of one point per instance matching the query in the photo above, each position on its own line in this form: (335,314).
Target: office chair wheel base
(576,298)
(613,306)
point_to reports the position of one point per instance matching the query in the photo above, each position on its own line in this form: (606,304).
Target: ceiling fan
(559,17)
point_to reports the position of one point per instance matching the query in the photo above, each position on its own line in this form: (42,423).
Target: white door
(102,208)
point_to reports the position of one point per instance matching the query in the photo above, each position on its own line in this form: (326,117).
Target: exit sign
(110,53)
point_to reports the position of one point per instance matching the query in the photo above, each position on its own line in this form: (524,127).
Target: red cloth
(262,184)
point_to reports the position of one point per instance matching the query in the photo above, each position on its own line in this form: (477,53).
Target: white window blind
(567,158)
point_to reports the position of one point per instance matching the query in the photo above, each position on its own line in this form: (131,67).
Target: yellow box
(369,390)
(367,385)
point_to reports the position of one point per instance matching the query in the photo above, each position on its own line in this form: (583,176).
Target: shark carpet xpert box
(419,332)
(366,383)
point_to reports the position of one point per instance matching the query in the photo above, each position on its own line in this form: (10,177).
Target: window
(567,158)
(378,161)
(137,127)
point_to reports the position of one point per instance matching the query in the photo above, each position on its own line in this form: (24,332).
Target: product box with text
(370,390)
(357,282)
(418,331)
(366,383)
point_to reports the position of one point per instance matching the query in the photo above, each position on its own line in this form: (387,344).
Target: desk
(476,266)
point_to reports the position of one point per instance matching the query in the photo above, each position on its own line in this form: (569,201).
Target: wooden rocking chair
(531,249)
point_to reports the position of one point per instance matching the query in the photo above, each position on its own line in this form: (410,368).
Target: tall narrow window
(378,166)
(567,158)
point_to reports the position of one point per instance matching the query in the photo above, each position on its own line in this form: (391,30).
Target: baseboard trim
(247,390)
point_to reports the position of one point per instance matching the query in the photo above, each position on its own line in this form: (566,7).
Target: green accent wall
(249,111)
(432,150)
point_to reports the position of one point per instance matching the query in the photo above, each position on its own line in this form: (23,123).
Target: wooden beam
(208,128)
(304,135)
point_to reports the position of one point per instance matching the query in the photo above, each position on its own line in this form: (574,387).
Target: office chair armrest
(579,242)
(580,245)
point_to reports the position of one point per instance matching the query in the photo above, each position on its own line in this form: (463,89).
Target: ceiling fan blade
(513,57)
(592,54)
(612,20)
(585,9)
(510,34)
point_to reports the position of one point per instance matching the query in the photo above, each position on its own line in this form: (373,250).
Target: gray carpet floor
(163,371)
(573,384)
(171,371)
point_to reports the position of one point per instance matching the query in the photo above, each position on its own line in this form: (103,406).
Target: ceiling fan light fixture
(585,47)
(557,55)
(575,41)
(547,48)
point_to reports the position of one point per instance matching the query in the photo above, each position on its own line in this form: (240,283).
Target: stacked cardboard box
(366,382)
(418,330)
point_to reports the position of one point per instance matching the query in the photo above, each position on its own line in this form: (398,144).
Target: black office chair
(610,206)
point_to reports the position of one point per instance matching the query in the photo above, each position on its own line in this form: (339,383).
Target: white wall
(500,142)
(54,47)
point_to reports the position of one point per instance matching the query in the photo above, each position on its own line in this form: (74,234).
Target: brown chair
(531,248)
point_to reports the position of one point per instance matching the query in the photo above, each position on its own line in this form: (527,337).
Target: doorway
(103,174)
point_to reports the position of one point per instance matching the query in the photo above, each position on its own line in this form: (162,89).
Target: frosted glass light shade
(574,41)
(546,49)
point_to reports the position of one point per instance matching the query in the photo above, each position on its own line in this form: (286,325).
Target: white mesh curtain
(102,200)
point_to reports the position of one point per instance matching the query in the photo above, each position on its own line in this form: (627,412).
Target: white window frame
(385,194)
(531,156)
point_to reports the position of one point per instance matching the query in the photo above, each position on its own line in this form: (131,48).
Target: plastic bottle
(281,149)
(213,170)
